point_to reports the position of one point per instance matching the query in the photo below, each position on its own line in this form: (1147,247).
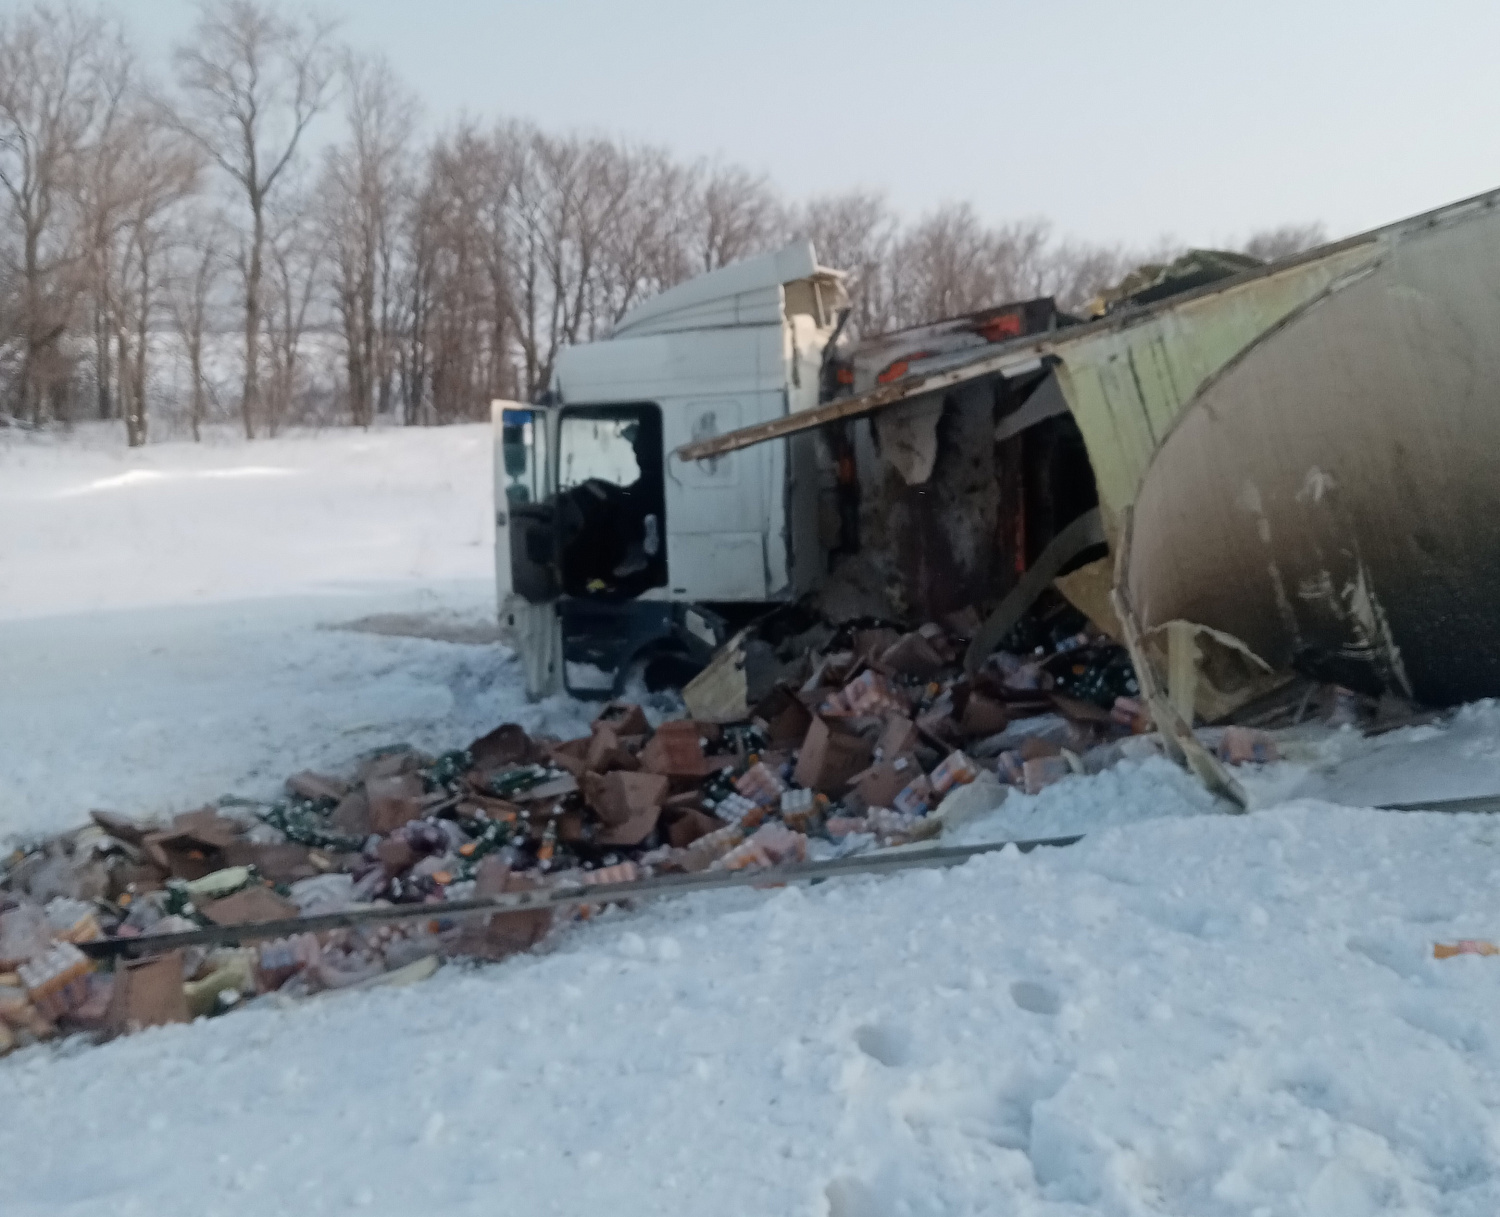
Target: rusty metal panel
(1330,498)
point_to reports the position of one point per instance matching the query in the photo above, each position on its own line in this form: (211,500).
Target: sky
(1125,121)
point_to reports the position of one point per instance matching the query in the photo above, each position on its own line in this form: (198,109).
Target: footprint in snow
(891,1046)
(849,1197)
(1035,997)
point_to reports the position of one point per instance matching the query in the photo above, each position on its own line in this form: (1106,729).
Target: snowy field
(171,617)
(1187,1013)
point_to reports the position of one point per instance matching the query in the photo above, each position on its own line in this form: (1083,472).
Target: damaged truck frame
(1285,468)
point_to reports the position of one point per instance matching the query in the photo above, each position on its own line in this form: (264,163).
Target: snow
(1215,1015)
(169,616)
(92,526)
(1132,791)
(1186,1012)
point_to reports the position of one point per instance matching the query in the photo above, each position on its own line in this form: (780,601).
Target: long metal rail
(879,863)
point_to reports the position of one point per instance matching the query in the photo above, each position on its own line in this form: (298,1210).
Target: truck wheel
(658,671)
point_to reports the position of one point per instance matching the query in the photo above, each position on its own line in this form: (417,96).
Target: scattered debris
(1464,946)
(856,744)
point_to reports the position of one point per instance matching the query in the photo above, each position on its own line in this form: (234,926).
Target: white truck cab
(612,555)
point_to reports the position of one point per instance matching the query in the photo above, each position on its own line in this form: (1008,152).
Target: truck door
(525,558)
(525,565)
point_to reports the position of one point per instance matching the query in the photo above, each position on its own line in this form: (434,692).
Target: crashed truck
(1243,471)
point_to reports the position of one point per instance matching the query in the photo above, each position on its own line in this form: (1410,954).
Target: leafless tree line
(387,274)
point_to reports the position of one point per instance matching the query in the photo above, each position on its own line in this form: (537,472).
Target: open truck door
(526,567)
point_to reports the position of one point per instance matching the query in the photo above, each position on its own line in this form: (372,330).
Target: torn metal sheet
(1329,498)
(1079,536)
(1046,401)
(908,437)
(1176,730)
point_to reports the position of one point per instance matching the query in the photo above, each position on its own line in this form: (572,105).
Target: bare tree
(644,250)
(739,215)
(363,182)
(1077,272)
(158,170)
(51,63)
(199,265)
(458,312)
(255,80)
(855,232)
(1269,244)
(942,266)
(296,254)
(104,195)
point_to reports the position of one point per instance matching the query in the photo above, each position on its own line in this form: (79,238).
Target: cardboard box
(687,826)
(830,757)
(625,718)
(394,801)
(309,785)
(245,907)
(392,762)
(285,862)
(207,826)
(605,752)
(571,755)
(676,750)
(983,716)
(571,827)
(507,744)
(939,724)
(1078,711)
(148,993)
(913,656)
(1036,747)
(352,815)
(632,831)
(879,785)
(786,718)
(502,934)
(622,796)
(182,855)
(898,736)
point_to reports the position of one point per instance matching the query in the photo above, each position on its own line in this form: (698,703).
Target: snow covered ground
(169,617)
(1187,1013)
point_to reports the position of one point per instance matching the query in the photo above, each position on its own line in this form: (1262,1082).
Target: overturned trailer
(1296,458)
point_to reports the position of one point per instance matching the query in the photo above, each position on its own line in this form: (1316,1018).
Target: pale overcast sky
(1123,120)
